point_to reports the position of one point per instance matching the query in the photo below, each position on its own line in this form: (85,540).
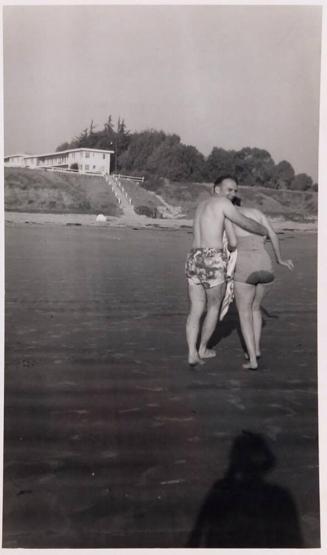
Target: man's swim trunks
(206,267)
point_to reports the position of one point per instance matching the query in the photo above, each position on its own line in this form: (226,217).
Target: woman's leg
(244,296)
(261,290)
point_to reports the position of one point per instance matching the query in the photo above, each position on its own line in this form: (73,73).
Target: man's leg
(197,306)
(244,296)
(214,298)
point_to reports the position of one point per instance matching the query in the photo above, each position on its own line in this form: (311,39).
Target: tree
(91,128)
(253,166)
(283,175)
(105,138)
(122,139)
(140,148)
(92,136)
(82,140)
(301,182)
(219,162)
(63,146)
(157,154)
(176,161)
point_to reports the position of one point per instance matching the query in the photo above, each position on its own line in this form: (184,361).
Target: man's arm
(245,223)
(231,236)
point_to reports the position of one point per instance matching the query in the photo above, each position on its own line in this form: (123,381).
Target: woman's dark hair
(237,201)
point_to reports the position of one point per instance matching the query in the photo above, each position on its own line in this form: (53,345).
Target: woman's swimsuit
(253,263)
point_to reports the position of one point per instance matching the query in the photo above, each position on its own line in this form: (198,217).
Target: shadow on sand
(242,510)
(231,323)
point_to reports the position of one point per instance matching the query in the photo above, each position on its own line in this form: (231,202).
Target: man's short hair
(222,178)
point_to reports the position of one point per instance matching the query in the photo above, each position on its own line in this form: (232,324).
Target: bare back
(208,224)
(252,213)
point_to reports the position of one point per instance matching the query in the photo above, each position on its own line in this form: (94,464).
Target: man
(206,263)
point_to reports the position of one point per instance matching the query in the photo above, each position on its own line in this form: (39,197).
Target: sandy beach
(110,439)
(279,223)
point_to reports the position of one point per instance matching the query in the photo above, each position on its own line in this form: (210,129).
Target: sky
(226,76)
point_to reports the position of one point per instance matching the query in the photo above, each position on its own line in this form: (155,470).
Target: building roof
(15,155)
(67,151)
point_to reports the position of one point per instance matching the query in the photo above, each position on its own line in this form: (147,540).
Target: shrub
(146,211)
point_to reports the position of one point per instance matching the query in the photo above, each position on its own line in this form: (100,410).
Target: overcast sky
(225,76)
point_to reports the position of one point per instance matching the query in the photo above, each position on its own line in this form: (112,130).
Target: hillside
(140,196)
(296,205)
(29,190)
(41,191)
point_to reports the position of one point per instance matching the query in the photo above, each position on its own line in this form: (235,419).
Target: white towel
(229,293)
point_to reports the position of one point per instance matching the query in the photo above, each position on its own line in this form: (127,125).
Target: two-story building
(15,160)
(83,160)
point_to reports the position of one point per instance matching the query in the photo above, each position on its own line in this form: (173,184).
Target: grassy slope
(290,204)
(42,191)
(139,196)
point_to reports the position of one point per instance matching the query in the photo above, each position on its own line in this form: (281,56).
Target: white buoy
(101,218)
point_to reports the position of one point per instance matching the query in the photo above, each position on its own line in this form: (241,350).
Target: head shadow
(243,509)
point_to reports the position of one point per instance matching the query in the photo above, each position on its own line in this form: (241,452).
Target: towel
(229,293)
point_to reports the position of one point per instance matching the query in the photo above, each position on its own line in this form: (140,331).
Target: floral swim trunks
(206,267)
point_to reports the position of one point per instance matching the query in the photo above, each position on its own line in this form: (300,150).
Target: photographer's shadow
(242,510)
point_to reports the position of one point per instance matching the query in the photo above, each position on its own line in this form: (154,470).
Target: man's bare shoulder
(214,205)
(219,201)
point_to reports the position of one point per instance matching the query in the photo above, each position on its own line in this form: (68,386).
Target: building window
(103,156)
(87,155)
(94,167)
(87,167)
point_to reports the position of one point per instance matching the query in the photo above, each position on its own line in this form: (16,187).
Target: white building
(15,161)
(83,160)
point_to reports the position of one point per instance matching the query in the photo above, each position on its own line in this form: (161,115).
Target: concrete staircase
(125,202)
(122,197)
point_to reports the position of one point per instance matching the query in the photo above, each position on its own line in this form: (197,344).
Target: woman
(253,274)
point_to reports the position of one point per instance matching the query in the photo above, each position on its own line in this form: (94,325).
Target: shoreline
(140,222)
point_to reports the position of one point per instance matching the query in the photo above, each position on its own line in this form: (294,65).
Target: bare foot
(250,366)
(207,353)
(194,360)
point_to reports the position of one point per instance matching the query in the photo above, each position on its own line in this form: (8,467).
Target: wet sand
(110,439)
(140,222)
